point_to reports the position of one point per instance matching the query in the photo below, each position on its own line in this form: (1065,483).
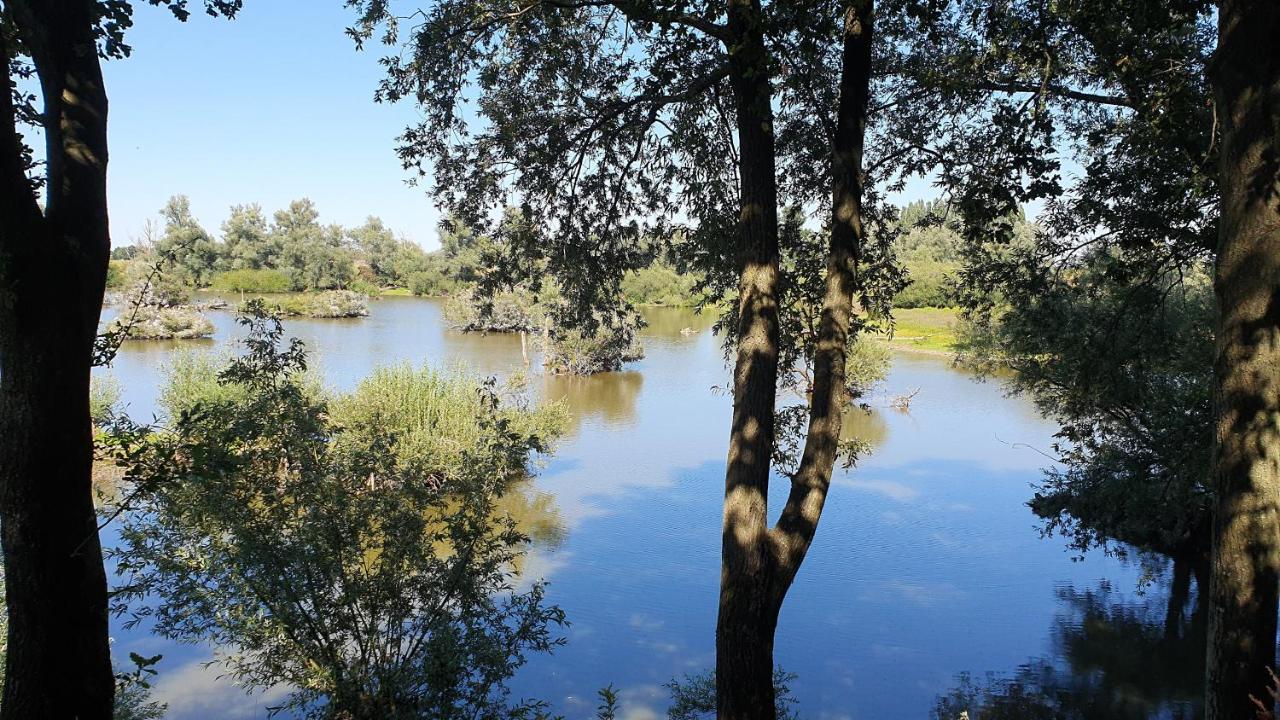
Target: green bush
(327,304)
(153,322)
(251,281)
(659,284)
(364,563)
(432,282)
(574,352)
(511,311)
(117,274)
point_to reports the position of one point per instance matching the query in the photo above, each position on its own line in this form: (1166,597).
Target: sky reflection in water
(927,563)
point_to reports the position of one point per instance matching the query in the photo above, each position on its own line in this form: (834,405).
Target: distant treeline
(292,251)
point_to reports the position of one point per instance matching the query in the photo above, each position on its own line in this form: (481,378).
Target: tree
(194,254)
(1174,153)
(313,253)
(606,123)
(53,265)
(247,240)
(354,547)
(1243,591)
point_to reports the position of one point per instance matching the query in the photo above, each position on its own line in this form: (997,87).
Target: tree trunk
(759,565)
(1246,548)
(744,629)
(53,267)
(1179,594)
(798,522)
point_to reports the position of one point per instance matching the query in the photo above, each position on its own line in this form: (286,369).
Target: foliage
(511,311)
(1121,355)
(327,304)
(570,351)
(260,280)
(376,583)
(431,282)
(433,414)
(117,274)
(391,260)
(104,398)
(659,284)
(152,322)
(694,697)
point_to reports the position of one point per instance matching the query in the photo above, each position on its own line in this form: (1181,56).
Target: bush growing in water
(149,315)
(508,311)
(327,304)
(251,281)
(659,284)
(347,547)
(163,323)
(575,352)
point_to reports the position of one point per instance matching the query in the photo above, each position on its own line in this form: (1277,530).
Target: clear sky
(272,106)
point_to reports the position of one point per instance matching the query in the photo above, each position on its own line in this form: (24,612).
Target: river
(927,565)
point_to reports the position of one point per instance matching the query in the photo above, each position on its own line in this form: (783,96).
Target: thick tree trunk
(744,629)
(52,273)
(1246,548)
(759,565)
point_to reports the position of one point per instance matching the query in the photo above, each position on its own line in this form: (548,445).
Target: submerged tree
(351,547)
(54,252)
(610,122)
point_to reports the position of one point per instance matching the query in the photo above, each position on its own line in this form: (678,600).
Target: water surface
(927,563)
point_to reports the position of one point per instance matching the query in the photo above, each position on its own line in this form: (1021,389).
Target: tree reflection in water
(1113,660)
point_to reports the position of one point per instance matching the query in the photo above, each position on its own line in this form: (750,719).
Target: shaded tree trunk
(759,564)
(53,265)
(1246,547)
(746,621)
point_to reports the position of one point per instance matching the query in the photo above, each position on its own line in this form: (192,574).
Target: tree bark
(758,564)
(744,629)
(53,266)
(798,522)
(1246,546)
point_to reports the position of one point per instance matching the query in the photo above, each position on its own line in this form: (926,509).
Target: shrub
(153,322)
(659,284)
(431,282)
(574,352)
(251,281)
(117,274)
(510,311)
(104,396)
(334,558)
(327,304)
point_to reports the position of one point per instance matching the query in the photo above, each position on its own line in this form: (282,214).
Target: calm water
(927,563)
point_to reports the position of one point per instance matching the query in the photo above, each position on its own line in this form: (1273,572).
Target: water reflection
(609,398)
(1114,659)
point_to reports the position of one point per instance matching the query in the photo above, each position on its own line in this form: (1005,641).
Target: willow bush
(349,547)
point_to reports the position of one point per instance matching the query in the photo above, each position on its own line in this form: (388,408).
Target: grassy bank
(928,329)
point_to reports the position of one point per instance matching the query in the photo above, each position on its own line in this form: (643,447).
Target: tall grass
(433,413)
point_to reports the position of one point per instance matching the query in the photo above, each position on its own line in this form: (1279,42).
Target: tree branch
(1057,91)
(18,203)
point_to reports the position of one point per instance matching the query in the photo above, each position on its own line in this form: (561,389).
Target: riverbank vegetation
(325,304)
(389,492)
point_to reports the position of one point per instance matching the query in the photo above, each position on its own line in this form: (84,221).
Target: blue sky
(272,106)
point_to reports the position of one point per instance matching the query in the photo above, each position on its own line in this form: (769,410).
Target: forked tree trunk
(53,265)
(1246,547)
(759,564)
